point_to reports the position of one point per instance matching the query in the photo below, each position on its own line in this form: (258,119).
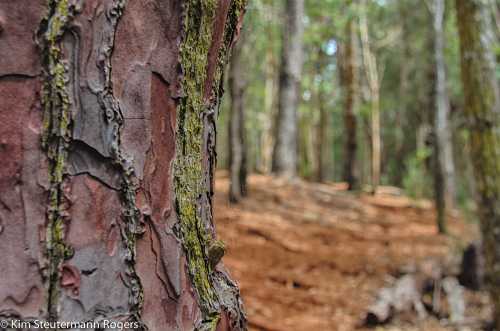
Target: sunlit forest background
(380,130)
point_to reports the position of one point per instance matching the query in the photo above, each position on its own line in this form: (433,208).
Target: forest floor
(311,257)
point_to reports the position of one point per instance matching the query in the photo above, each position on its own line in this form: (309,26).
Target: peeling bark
(110,216)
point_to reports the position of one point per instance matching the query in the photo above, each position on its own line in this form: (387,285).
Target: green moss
(55,139)
(188,169)
(188,172)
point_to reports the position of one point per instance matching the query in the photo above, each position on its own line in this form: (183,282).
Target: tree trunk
(349,80)
(321,138)
(402,114)
(267,119)
(285,148)
(445,169)
(482,109)
(237,146)
(108,136)
(320,128)
(370,63)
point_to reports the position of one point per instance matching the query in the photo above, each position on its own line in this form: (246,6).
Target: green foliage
(417,182)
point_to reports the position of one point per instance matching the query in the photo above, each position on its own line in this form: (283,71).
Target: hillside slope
(312,256)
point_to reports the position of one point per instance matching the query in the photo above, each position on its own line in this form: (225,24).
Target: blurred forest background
(361,96)
(401,41)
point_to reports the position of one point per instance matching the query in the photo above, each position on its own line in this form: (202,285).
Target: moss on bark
(191,150)
(56,137)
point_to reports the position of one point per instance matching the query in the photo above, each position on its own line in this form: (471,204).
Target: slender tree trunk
(237,135)
(404,96)
(321,138)
(267,119)
(482,109)
(321,127)
(445,169)
(308,147)
(108,136)
(370,64)
(349,80)
(285,148)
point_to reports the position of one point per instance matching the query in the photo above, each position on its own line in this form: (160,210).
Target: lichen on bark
(56,138)
(196,112)
(188,172)
(57,141)
(72,99)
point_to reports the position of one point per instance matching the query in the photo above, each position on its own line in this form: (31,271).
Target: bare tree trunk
(285,148)
(321,137)
(237,146)
(370,64)
(402,114)
(349,80)
(321,125)
(482,109)
(445,176)
(110,217)
(267,140)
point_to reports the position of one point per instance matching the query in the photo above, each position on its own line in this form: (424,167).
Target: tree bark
(445,169)
(237,146)
(370,64)
(107,126)
(285,148)
(349,80)
(482,110)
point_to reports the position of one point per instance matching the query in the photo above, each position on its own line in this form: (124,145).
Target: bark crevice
(60,93)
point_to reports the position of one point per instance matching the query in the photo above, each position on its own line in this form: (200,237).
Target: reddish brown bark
(106,239)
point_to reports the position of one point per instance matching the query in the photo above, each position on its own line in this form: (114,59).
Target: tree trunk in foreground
(237,146)
(445,169)
(285,148)
(107,129)
(482,108)
(349,80)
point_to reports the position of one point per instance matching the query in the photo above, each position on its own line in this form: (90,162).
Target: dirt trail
(310,257)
